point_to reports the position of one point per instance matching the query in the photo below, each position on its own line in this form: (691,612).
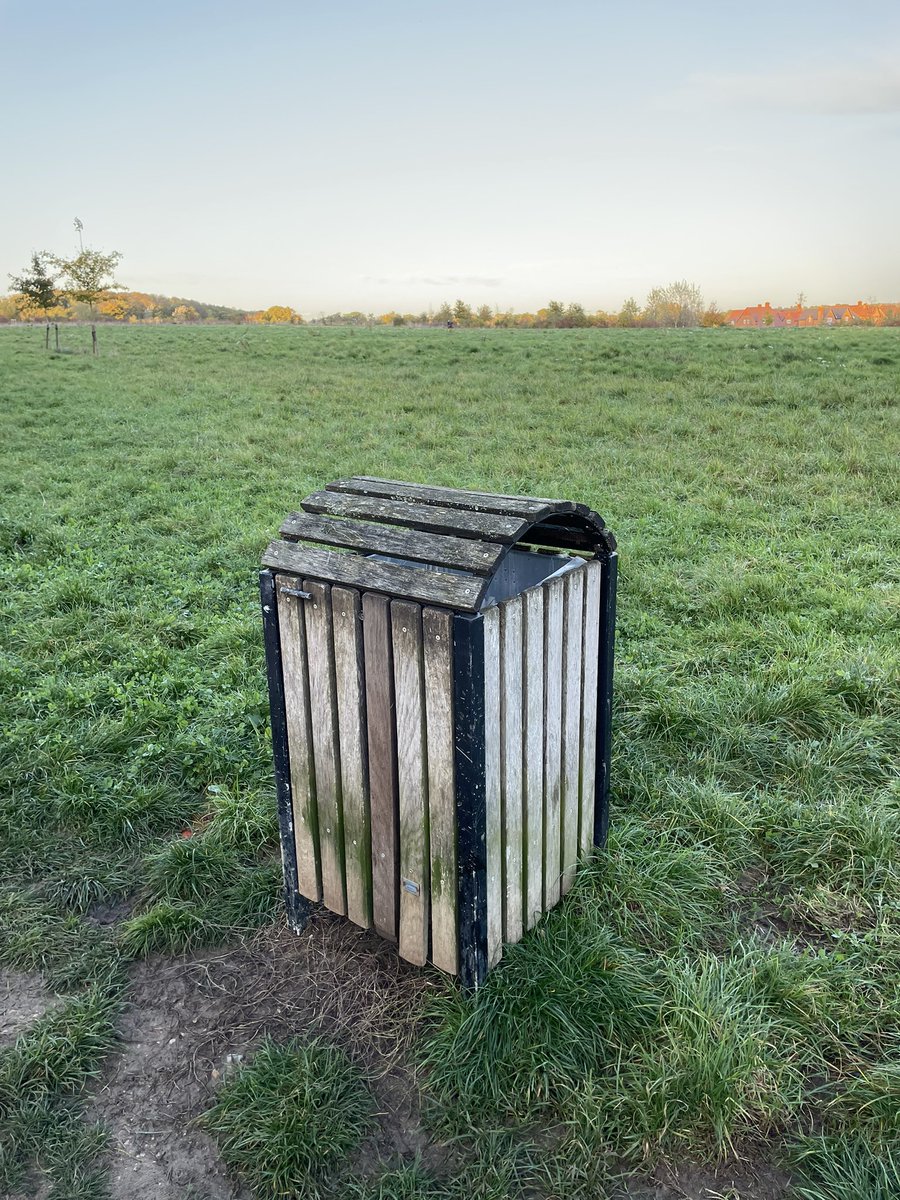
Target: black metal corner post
(608,582)
(298,907)
(469,763)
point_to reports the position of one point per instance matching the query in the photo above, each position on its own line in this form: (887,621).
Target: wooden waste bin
(440,677)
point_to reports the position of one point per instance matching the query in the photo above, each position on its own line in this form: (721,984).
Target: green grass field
(723,982)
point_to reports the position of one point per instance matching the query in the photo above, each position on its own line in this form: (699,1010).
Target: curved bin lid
(435,545)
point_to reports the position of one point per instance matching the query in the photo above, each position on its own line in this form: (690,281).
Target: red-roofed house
(764,316)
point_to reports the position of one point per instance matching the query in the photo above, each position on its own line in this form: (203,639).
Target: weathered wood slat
(439,490)
(530,507)
(382,748)
(573,610)
(346,613)
(553,684)
(428,517)
(437,639)
(461,592)
(593,580)
(323,709)
(511,712)
(442,550)
(533,712)
(493,814)
(292,633)
(406,626)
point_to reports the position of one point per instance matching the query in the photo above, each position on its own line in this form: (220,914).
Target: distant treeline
(131,307)
(679,305)
(686,308)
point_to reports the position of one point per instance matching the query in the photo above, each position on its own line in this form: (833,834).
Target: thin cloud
(869,87)
(435,280)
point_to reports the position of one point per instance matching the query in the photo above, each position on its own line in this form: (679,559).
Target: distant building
(764,316)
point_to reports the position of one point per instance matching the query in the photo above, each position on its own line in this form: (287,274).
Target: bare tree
(678,305)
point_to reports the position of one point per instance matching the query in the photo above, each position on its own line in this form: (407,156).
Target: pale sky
(376,156)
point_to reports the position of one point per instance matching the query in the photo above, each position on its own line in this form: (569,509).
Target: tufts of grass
(844,1167)
(221,880)
(56,1146)
(870,1102)
(168,927)
(801,708)
(289,1117)
(656,887)
(850,845)
(76,886)
(69,1154)
(205,893)
(405,1181)
(242,818)
(39,1075)
(738,1038)
(567,1001)
(191,868)
(497,1164)
(255,897)
(702,813)
(60,1052)
(694,1054)
(68,951)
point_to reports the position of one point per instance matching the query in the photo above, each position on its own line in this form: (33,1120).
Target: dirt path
(189,1021)
(729,1181)
(23,999)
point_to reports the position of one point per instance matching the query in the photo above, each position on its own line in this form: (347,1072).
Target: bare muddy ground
(190,1021)
(23,999)
(730,1181)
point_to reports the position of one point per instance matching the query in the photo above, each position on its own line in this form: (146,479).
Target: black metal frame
(471,813)
(298,907)
(608,584)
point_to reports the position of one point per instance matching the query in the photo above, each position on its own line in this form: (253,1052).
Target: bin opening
(519,570)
